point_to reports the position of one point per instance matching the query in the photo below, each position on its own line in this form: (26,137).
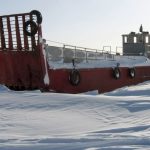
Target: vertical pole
(9,34)
(75,52)
(26,45)
(3,45)
(86,55)
(96,54)
(63,53)
(33,43)
(18,38)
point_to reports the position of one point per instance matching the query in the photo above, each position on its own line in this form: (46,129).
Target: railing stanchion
(86,55)
(63,52)
(96,55)
(75,52)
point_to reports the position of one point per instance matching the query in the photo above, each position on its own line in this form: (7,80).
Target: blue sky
(89,23)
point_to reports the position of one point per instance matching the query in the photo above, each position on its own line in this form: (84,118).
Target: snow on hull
(99,75)
(43,121)
(123,61)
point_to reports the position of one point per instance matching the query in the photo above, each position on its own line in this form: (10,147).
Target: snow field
(43,121)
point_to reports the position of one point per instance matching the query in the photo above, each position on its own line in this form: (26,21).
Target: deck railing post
(3,44)
(75,52)
(10,44)
(18,37)
(86,55)
(26,43)
(96,54)
(63,52)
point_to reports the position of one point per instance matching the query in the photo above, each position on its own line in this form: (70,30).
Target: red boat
(28,63)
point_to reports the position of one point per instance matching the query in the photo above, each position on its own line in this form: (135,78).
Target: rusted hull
(23,63)
(101,79)
(20,69)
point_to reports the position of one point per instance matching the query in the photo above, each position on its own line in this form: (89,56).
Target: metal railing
(12,35)
(87,54)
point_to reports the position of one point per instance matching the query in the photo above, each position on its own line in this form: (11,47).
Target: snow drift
(44,121)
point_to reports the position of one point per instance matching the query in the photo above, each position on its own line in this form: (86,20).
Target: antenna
(141,28)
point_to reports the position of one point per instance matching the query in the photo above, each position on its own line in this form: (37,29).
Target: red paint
(21,61)
(96,79)
(22,65)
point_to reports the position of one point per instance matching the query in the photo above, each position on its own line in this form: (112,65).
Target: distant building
(136,43)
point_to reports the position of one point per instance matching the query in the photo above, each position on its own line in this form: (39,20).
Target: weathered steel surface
(23,63)
(101,79)
(21,56)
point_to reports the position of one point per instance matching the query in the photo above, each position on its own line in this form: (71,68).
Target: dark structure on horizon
(136,44)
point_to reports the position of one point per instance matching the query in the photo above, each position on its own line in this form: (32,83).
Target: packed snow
(62,58)
(51,121)
(122,61)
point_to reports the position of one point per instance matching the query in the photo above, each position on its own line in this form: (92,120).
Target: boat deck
(62,57)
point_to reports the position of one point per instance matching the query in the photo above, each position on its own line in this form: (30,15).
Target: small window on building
(135,40)
(125,39)
(146,39)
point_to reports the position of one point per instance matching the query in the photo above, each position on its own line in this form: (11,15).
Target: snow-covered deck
(58,57)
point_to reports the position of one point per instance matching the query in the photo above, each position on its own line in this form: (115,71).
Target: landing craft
(27,62)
